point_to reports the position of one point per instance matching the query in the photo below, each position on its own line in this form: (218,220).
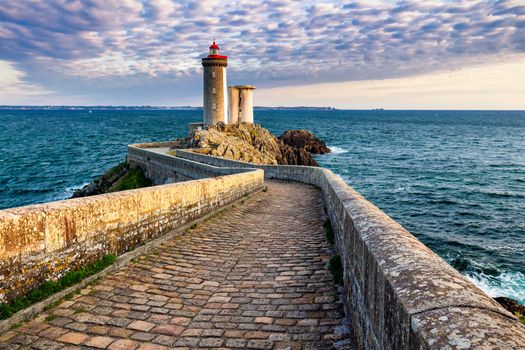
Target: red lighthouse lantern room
(215,51)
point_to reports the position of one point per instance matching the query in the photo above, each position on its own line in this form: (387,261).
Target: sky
(432,54)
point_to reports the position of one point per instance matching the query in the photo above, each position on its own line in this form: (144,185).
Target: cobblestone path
(251,277)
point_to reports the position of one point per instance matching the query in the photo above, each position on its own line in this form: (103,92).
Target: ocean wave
(501,194)
(70,190)
(337,150)
(506,284)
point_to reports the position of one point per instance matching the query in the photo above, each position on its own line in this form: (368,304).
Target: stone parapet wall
(44,241)
(156,144)
(162,168)
(400,294)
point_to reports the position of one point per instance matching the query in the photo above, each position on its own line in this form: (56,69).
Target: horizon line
(326,108)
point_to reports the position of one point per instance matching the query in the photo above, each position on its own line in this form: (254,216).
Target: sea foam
(337,150)
(507,284)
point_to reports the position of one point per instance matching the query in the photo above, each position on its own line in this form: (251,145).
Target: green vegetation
(193,226)
(520,316)
(335,266)
(115,171)
(78,310)
(50,318)
(329,232)
(48,288)
(134,178)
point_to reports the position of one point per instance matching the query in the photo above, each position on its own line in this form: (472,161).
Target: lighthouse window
(213,74)
(214,106)
(214,90)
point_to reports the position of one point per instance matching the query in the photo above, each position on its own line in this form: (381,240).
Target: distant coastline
(153,108)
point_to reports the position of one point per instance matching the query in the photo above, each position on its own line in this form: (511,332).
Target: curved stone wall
(400,294)
(44,241)
(162,169)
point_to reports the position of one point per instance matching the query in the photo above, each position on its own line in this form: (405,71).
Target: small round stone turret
(241,103)
(215,104)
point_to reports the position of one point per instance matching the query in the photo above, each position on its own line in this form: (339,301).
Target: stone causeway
(253,276)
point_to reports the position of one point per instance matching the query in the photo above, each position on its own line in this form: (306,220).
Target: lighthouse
(215,94)
(222,103)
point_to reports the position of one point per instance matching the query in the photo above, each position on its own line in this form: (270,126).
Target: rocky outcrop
(252,143)
(295,156)
(513,306)
(304,139)
(119,178)
(103,183)
(241,141)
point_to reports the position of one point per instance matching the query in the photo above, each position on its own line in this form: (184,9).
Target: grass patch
(115,171)
(52,305)
(134,178)
(50,318)
(78,310)
(335,266)
(520,317)
(329,232)
(51,287)
(193,226)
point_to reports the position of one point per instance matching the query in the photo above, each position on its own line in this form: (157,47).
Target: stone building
(222,103)
(241,103)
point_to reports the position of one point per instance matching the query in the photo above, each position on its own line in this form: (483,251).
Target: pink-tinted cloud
(97,45)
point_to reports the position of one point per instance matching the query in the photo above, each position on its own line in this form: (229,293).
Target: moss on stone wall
(335,266)
(50,287)
(134,178)
(329,232)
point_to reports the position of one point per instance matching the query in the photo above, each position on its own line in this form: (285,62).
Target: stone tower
(241,103)
(215,102)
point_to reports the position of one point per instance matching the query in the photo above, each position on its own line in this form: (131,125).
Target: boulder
(513,306)
(304,139)
(295,156)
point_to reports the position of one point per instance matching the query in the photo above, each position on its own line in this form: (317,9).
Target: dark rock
(103,183)
(295,156)
(304,139)
(512,305)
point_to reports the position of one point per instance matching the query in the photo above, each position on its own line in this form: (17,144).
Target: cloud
(493,86)
(104,44)
(13,89)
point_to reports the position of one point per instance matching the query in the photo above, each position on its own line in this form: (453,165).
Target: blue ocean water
(455,179)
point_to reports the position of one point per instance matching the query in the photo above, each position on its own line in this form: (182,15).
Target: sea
(454,179)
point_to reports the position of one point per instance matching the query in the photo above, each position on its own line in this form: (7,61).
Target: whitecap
(70,190)
(510,284)
(337,150)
